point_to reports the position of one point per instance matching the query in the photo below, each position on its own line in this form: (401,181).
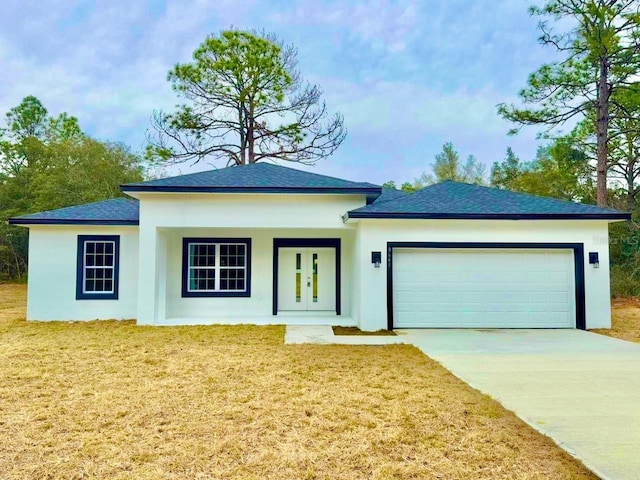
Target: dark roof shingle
(461,200)
(256,177)
(116,211)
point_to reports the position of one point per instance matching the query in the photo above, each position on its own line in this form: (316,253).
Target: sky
(407,75)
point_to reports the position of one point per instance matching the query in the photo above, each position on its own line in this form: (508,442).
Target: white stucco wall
(167,218)
(52,275)
(373,235)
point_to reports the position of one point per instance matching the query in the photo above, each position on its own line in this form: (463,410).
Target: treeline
(48,162)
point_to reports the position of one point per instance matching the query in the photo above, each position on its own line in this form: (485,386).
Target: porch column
(152,276)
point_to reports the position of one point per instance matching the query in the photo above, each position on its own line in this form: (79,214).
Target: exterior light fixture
(376,259)
(593,259)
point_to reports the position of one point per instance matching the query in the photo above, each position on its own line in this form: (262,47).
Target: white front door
(307,279)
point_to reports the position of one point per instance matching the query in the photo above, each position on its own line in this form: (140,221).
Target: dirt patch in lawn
(357,331)
(625,320)
(115,400)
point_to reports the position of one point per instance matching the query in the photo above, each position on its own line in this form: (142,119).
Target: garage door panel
(472,297)
(483,288)
(559,298)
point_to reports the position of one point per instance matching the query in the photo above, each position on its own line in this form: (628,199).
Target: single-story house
(263,243)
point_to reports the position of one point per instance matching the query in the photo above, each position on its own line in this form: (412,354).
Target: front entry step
(323,334)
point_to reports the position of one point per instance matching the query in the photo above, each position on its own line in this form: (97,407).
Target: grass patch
(625,320)
(119,401)
(357,331)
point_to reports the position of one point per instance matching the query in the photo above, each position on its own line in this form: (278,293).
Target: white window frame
(217,267)
(104,267)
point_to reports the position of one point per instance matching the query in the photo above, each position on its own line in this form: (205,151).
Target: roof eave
(293,190)
(489,216)
(57,221)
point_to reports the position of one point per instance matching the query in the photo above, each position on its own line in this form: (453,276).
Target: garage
(480,286)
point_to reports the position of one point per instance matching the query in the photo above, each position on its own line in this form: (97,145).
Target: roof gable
(254,178)
(116,211)
(457,200)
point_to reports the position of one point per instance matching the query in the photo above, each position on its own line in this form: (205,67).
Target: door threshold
(307,313)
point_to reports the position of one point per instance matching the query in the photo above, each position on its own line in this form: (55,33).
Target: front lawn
(625,320)
(117,401)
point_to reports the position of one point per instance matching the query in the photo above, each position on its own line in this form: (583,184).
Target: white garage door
(483,288)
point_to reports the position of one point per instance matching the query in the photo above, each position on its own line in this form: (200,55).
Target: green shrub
(624,282)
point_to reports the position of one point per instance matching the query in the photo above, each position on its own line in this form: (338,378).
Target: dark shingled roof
(444,200)
(257,177)
(116,211)
(390,194)
(461,201)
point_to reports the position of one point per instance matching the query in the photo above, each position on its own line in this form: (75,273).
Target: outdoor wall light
(593,259)
(376,259)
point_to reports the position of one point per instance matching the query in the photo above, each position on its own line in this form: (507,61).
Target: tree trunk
(602,127)
(243,138)
(630,175)
(251,141)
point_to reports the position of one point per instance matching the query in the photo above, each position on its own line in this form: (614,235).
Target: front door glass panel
(298,277)
(315,277)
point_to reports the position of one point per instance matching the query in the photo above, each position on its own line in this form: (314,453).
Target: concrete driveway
(579,388)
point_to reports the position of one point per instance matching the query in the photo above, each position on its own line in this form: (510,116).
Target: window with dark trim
(216,267)
(97,267)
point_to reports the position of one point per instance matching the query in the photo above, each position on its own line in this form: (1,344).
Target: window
(97,269)
(216,267)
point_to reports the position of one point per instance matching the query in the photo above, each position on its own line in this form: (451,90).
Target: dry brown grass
(113,400)
(625,320)
(356,331)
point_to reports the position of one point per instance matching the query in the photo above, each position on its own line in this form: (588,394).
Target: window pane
(202,255)
(90,247)
(315,277)
(89,285)
(108,247)
(202,279)
(232,279)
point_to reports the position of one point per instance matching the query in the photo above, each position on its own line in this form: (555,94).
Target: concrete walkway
(579,388)
(323,334)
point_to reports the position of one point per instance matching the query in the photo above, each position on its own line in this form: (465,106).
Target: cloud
(407,75)
(383,23)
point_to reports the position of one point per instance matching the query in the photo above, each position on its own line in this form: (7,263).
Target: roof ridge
(265,164)
(315,173)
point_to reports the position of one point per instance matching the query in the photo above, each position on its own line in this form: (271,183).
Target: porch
(248,275)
